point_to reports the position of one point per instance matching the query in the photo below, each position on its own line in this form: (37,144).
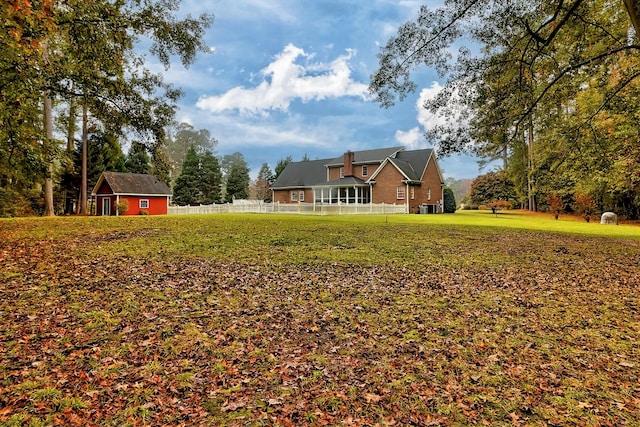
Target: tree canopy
(55,53)
(549,88)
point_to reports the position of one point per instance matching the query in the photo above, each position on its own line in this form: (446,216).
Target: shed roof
(133,183)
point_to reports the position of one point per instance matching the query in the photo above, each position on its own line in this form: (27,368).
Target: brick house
(387,175)
(142,192)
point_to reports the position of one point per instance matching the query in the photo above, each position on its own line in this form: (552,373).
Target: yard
(470,318)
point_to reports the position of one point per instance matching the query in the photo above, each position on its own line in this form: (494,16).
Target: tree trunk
(83,185)
(71,126)
(530,165)
(48,183)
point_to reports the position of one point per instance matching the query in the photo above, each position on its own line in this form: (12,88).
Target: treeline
(71,78)
(550,88)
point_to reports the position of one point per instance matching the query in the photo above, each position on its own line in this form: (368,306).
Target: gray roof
(133,183)
(302,174)
(367,156)
(412,163)
(346,181)
(314,173)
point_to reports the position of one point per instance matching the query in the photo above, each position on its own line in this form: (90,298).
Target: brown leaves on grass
(533,336)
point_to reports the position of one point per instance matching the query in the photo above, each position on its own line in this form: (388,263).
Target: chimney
(348,163)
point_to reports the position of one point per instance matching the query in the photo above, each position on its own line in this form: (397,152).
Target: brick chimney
(348,163)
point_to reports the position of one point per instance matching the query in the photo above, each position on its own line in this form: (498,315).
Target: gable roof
(132,184)
(367,156)
(302,174)
(411,164)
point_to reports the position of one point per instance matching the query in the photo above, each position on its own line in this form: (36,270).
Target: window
(413,193)
(400,193)
(365,170)
(342,172)
(294,196)
(144,203)
(429,194)
(301,196)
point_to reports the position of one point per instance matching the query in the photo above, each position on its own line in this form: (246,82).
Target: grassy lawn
(471,318)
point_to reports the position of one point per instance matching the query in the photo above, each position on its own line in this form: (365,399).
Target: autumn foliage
(265,320)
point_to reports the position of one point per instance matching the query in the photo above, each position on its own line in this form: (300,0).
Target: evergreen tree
(449,200)
(237,178)
(137,159)
(186,190)
(282,163)
(160,166)
(210,183)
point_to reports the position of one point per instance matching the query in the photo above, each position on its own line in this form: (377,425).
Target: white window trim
(294,196)
(400,193)
(301,196)
(341,172)
(413,193)
(429,194)
(143,202)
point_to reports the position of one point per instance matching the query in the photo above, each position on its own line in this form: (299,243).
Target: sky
(290,77)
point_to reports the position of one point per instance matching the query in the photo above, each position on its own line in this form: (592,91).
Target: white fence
(292,208)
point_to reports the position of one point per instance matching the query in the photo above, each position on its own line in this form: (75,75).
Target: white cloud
(411,139)
(426,118)
(285,80)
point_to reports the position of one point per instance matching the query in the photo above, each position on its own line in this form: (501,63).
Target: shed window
(294,196)
(342,172)
(413,193)
(400,193)
(301,196)
(144,203)
(429,194)
(365,170)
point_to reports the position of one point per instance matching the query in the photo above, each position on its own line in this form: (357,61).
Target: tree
(281,165)
(585,205)
(210,179)
(449,200)
(491,187)
(137,159)
(186,191)
(261,187)
(56,52)
(183,137)
(237,176)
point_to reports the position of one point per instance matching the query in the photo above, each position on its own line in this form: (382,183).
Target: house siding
(387,180)
(157,205)
(430,180)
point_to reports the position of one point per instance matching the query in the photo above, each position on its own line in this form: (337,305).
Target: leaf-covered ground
(272,321)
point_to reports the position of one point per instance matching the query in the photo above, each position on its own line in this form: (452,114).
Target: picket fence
(291,208)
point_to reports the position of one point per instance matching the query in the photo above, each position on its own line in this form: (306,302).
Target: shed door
(106,206)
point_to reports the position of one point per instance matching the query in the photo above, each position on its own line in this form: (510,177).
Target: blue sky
(289,78)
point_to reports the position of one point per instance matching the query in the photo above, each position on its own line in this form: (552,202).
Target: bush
(144,212)
(449,200)
(585,205)
(555,204)
(122,207)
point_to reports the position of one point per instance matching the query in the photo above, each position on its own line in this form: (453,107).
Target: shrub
(144,212)
(122,207)
(555,204)
(585,205)
(449,200)
(499,205)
